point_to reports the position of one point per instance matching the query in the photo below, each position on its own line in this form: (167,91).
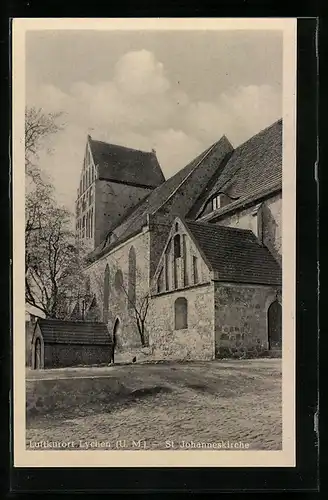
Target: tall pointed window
(160,282)
(177,246)
(177,255)
(91,223)
(195,269)
(87,287)
(185,261)
(132,278)
(167,275)
(118,280)
(106,294)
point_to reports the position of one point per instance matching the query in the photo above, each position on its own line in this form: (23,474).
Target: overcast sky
(176,92)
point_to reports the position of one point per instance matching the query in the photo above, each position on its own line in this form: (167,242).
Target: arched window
(180,313)
(106,294)
(132,278)
(118,281)
(177,246)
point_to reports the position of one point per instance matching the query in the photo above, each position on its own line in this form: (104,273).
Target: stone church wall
(118,260)
(194,342)
(241,318)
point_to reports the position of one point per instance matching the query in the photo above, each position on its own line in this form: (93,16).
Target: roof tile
(55,331)
(235,254)
(122,164)
(253,166)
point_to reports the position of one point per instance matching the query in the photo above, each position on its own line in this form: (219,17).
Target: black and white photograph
(154,241)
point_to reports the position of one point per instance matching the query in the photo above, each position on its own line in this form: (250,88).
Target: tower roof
(128,166)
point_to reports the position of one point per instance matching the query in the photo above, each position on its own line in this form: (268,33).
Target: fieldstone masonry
(194,342)
(241,326)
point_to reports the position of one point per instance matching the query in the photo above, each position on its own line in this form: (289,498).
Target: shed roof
(55,331)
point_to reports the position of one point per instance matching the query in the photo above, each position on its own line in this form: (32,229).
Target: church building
(189,267)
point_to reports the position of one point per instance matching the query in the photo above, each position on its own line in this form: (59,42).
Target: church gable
(182,263)
(88,171)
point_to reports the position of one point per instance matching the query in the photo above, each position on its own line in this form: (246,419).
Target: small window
(180,314)
(216,202)
(176,227)
(177,246)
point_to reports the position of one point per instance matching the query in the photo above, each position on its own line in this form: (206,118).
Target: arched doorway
(37,354)
(275,325)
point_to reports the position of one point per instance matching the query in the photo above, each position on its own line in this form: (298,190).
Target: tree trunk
(141,329)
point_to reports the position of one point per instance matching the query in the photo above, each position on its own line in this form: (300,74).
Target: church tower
(113,180)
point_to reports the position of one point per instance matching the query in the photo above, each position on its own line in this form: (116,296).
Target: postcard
(154,242)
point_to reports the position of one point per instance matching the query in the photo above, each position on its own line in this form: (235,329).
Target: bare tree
(54,264)
(39,127)
(140,306)
(138,300)
(39,196)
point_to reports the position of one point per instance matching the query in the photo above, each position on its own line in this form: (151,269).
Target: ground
(198,402)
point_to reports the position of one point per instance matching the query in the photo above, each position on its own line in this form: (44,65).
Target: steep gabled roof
(174,187)
(254,166)
(235,254)
(55,331)
(126,165)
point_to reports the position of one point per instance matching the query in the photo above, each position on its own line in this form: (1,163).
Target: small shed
(57,343)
